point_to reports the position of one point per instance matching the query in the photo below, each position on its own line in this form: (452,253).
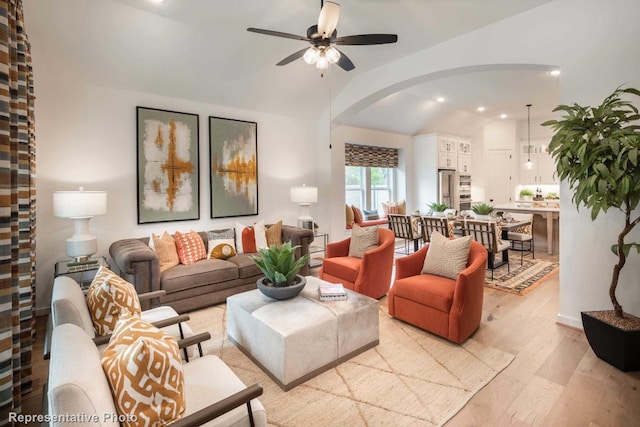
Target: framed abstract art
(168,178)
(233,160)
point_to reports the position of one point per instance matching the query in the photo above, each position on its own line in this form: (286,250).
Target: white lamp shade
(304,195)
(79,204)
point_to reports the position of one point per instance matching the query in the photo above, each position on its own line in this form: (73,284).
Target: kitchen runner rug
(411,378)
(522,278)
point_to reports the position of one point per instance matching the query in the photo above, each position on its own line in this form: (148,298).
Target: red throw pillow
(357,215)
(249,240)
(190,247)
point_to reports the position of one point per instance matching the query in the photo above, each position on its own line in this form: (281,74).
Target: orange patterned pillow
(165,248)
(144,369)
(357,215)
(108,297)
(190,247)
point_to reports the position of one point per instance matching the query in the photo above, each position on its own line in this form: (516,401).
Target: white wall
(86,135)
(347,134)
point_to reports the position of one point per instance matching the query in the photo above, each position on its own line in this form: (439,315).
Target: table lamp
(80,206)
(304,196)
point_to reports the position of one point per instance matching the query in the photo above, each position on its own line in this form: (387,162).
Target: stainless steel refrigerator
(447,186)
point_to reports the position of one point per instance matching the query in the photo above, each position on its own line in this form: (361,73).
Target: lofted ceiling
(200,50)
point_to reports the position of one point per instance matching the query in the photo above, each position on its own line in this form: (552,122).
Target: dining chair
(489,235)
(406,227)
(522,237)
(439,224)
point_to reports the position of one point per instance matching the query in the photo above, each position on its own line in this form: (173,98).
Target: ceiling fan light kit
(324,38)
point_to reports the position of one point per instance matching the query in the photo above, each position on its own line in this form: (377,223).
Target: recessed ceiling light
(481,108)
(440,99)
(503,116)
(554,72)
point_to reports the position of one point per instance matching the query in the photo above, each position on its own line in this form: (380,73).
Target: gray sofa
(204,283)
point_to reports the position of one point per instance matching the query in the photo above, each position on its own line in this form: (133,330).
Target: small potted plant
(526,194)
(481,211)
(281,279)
(437,209)
(596,152)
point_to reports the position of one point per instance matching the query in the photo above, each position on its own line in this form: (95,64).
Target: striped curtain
(17,210)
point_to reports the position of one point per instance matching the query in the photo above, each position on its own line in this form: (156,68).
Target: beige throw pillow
(165,248)
(274,234)
(363,239)
(446,258)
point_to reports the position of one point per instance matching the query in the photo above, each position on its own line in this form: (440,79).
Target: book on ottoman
(332,292)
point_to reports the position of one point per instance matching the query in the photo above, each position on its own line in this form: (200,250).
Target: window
(368,187)
(369,175)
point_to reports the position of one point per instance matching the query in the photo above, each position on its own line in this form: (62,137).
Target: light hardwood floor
(554,380)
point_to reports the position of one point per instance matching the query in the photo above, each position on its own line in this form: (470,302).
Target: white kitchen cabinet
(464,164)
(464,146)
(544,168)
(447,152)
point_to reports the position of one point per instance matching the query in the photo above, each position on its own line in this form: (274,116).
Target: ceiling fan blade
(344,62)
(366,39)
(328,19)
(277,34)
(293,57)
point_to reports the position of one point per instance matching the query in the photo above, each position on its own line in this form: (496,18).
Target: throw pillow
(190,247)
(221,243)
(260,235)
(446,258)
(402,207)
(144,369)
(363,239)
(274,234)
(245,239)
(349,215)
(357,215)
(370,215)
(222,251)
(108,297)
(165,248)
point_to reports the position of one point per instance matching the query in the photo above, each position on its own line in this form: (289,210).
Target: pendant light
(529,163)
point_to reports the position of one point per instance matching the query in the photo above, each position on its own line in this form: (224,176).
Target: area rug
(411,378)
(522,278)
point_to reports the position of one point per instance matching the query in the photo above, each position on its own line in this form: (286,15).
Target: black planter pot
(282,293)
(615,346)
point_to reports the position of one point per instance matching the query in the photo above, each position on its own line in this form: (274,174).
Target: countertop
(530,206)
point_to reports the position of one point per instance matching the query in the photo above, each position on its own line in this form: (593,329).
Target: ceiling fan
(324,38)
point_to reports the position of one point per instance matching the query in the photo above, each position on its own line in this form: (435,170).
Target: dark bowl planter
(615,346)
(285,292)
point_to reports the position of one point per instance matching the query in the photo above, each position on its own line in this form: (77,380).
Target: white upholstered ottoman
(297,339)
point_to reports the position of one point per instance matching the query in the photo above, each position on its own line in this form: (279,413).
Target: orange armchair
(445,307)
(369,275)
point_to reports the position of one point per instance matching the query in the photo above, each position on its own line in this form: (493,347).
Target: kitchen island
(549,210)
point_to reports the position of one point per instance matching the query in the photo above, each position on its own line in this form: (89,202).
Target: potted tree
(281,279)
(596,149)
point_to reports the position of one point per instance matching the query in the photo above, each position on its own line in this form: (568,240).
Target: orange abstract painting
(168,182)
(234,167)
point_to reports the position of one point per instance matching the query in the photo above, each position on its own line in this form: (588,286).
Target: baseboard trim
(569,321)
(43,311)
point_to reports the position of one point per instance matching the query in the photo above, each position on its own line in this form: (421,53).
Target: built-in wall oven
(464,193)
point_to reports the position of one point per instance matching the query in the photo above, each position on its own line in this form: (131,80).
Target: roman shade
(369,156)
